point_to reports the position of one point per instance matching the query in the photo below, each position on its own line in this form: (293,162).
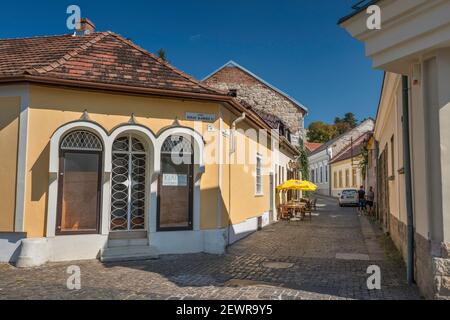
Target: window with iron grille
(259,175)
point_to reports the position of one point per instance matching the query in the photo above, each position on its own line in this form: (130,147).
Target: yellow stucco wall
(390,126)
(239,189)
(52,107)
(342,166)
(9,131)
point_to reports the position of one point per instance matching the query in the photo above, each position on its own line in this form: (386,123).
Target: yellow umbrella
(301,185)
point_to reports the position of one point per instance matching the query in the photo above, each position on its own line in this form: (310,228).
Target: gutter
(233,132)
(139,90)
(408,181)
(232,150)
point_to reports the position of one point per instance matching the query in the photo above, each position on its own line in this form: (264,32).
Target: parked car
(348,197)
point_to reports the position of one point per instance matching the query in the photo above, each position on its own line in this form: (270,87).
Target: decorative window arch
(81,140)
(176,181)
(79,184)
(56,141)
(177,144)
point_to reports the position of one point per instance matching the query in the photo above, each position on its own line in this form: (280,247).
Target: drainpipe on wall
(408,181)
(232,150)
(233,132)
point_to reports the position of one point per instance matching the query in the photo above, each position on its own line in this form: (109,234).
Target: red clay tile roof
(311,146)
(102,57)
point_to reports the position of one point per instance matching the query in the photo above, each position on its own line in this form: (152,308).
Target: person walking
(370,196)
(361,199)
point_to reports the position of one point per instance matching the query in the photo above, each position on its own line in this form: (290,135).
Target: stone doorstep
(128,253)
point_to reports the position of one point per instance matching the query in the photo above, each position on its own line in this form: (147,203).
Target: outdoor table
(296,207)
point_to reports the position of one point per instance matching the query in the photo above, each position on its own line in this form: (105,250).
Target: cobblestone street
(326,258)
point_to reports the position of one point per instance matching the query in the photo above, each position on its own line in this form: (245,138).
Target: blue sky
(295,45)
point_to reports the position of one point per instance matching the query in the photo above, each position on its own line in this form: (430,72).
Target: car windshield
(349,192)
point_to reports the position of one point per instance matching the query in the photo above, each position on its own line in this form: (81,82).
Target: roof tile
(103,57)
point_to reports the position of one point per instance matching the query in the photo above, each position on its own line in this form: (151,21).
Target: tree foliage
(303,161)
(162,54)
(346,123)
(322,132)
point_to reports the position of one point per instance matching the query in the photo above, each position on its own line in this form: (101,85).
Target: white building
(320,158)
(413,47)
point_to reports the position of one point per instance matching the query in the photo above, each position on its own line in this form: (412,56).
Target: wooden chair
(283,212)
(308,210)
(314,204)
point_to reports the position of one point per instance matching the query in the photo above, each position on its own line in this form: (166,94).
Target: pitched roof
(352,150)
(101,57)
(232,64)
(311,146)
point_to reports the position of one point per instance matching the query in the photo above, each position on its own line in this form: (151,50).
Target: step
(112,243)
(128,253)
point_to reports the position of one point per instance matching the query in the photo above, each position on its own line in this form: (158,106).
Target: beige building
(284,114)
(109,152)
(413,132)
(319,159)
(345,167)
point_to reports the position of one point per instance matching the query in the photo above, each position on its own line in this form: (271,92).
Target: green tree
(346,123)
(303,161)
(162,54)
(320,132)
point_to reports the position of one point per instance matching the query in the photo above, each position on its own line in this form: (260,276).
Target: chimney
(86,27)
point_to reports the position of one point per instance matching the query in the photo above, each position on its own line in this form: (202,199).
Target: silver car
(348,197)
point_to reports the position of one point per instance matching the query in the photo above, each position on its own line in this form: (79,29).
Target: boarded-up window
(176,184)
(79,183)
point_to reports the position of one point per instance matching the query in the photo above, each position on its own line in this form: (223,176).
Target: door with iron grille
(128,185)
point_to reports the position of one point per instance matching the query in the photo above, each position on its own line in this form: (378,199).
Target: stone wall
(260,97)
(397,232)
(423,271)
(432,274)
(441,273)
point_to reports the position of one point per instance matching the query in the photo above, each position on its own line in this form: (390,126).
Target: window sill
(259,195)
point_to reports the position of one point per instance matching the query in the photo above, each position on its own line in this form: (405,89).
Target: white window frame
(258,175)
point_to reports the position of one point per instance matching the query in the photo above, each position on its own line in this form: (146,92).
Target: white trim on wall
(54,170)
(154,145)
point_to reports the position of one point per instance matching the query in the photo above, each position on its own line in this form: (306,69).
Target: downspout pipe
(408,182)
(232,150)
(233,132)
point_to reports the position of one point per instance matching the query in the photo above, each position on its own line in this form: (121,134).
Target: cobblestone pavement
(295,260)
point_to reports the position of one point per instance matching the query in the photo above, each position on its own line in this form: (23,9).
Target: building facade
(412,131)
(111,153)
(346,167)
(319,159)
(283,114)
(260,96)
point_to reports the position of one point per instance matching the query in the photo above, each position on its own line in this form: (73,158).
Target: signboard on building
(174,180)
(197,116)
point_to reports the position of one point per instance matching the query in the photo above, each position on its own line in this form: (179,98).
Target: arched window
(175,186)
(79,184)
(128,184)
